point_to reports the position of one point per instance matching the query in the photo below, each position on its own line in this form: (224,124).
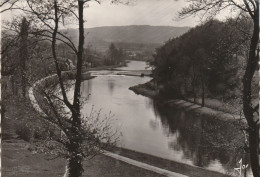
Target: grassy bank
(233,107)
(21,127)
(145,89)
(18,160)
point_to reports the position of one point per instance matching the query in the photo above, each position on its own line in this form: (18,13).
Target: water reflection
(86,89)
(202,139)
(154,124)
(150,127)
(136,65)
(111,85)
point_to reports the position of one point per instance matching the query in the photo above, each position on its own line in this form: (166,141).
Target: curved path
(110,154)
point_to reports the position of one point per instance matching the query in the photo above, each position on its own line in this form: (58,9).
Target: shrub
(24,132)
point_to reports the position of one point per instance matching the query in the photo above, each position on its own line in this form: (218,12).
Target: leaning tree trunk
(253,128)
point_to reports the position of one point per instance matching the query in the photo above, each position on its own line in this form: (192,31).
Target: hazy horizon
(133,25)
(143,12)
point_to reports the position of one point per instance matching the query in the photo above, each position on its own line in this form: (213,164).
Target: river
(148,126)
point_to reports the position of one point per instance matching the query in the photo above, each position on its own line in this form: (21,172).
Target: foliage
(75,137)
(209,53)
(251,111)
(24,132)
(114,55)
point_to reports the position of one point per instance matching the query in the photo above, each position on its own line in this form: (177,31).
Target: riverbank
(23,161)
(19,160)
(145,90)
(213,108)
(110,67)
(19,131)
(173,166)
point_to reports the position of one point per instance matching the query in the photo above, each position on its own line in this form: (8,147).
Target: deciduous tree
(209,9)
(81,137)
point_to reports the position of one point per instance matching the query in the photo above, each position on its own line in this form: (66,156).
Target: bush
(170,92)
(24,132)
(43,133)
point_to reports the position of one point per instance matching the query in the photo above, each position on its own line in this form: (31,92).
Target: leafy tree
(192,58)
(23,53)
(114,55)
(251,7)
(14,66)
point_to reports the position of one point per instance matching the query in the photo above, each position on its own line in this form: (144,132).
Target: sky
(142,12)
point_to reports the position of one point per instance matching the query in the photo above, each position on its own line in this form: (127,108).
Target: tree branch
(248,9)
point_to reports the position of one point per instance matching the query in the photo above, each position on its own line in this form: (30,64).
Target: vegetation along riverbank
(202,77)
(212,106)
(20,139)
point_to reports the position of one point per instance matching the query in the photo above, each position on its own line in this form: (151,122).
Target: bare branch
(11,6)
(71,44)
(253,4)
(238,6)
(248,9)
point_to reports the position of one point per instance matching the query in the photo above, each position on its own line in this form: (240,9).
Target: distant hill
(151,36)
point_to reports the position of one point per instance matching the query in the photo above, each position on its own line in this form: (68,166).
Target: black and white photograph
(129,88)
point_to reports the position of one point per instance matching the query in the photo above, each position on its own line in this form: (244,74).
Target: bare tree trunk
(75,167)
(203,93)
(193,84)
(254,150)
(248,110)
(23,54)
(76,103)
(194,92)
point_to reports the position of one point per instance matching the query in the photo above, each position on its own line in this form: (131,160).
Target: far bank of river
(143,89)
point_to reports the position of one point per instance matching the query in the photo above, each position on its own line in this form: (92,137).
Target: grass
(18,161)
(233,106)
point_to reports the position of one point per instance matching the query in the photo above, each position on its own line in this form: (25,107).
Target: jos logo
(241,167)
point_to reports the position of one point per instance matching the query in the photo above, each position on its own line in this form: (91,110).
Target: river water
(150,127)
